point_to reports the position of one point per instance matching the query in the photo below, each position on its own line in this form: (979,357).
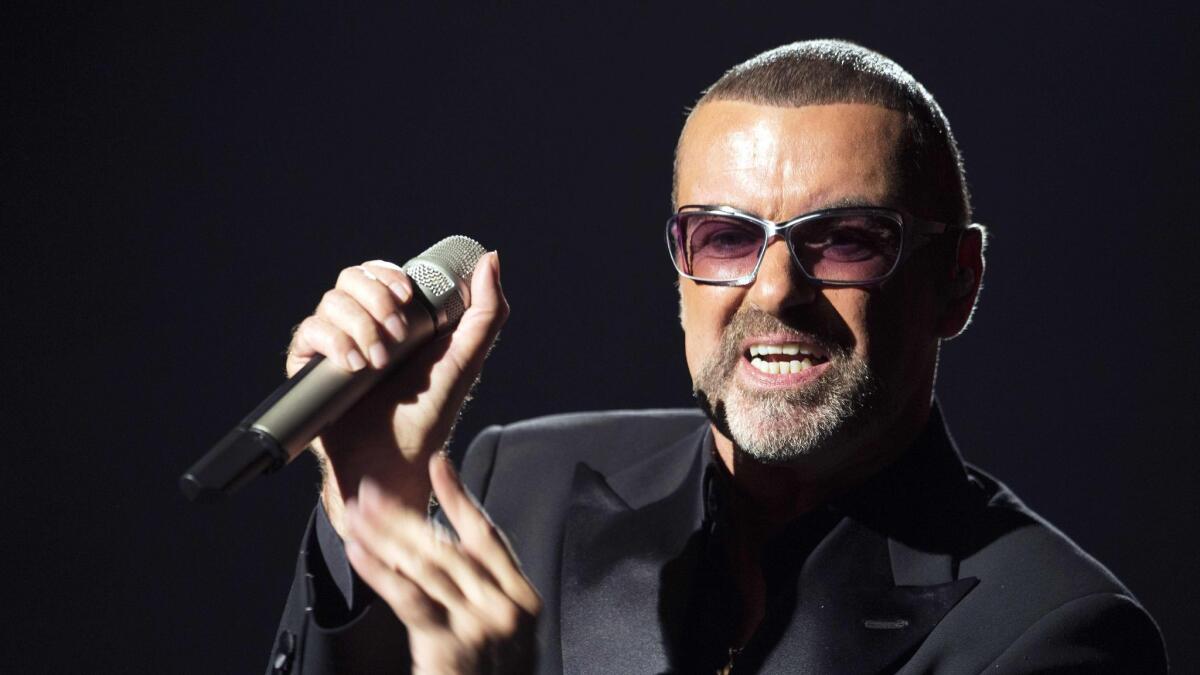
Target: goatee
(781,426)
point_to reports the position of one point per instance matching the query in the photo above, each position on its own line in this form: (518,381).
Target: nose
(780,284)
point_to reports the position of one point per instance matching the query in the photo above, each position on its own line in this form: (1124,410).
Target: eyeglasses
(852,246)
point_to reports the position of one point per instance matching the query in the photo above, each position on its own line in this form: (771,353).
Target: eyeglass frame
(920,227)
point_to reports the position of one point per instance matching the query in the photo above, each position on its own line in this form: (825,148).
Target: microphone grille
(458,254)
(455,255)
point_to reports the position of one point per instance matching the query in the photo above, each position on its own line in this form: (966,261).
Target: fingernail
(355,360)
(379,355)
(400,290)
(394,326)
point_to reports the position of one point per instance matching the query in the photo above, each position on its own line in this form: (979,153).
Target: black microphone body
(283,425)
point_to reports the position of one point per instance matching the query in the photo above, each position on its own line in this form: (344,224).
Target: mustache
(748,322)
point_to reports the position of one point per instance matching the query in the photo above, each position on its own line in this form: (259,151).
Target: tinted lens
(715,247)
(847,247)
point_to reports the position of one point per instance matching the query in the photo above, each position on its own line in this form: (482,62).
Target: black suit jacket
(931,566)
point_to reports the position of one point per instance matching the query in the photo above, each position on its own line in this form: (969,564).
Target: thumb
(482,321)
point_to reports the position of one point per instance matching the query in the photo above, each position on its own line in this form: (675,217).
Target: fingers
(479,535)
(391,275)
(357,320)
(410,604)
(417,550)
(429,581)
(381,302)
(482,321)
(317,335)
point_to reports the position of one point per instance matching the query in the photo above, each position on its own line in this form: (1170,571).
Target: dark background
(182,183)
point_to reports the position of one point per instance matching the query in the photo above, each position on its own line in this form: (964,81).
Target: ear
(961,290)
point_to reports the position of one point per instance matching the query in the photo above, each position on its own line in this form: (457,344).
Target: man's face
(872,351)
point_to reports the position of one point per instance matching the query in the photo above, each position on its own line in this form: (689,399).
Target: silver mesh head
(431,280)
(458,254)
(455,255)
(455,308)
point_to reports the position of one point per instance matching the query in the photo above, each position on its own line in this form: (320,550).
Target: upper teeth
(782,367)
(789,348)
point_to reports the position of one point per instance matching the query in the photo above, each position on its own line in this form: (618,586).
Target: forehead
(780,161)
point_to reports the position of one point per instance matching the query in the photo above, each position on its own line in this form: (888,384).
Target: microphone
(283,425)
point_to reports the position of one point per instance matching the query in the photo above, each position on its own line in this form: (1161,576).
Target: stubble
(781,426)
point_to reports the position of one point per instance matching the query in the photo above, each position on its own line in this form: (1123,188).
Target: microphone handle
(283,425)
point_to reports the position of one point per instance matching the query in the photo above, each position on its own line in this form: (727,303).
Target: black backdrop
(181,183)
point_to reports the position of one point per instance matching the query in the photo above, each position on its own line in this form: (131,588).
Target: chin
(816,422)
(773,430)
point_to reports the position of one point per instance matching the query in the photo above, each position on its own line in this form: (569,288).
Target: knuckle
(412,596)
(401,598)
(474,527)
(349,275)
(332,298)
(385,264)
(508,619)
(379,300)
(473,635)
(418,565)
(363,326)
(341,342)
(306,330)
(410,605)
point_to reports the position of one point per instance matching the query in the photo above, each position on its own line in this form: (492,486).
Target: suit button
(285,649)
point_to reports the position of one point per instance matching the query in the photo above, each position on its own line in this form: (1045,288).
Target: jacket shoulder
(1013,543)
(656,421)
(543,452)
(602,438)
(606,440)
(1044,599)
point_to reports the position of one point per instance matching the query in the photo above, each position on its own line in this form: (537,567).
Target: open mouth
(784,358)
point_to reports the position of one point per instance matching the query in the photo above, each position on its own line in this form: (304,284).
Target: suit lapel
(843,614)
(625,536)
(864,598)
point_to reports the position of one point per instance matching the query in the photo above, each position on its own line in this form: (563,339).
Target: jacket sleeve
(333,622)
(1097,633)
(319,633)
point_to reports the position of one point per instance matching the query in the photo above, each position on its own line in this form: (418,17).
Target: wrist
(405,480)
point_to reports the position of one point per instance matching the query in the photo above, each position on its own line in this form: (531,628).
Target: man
(816,518)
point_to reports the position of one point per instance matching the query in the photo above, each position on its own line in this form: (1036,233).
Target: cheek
(900,321)
(853,308)
(704,312)
(885,327)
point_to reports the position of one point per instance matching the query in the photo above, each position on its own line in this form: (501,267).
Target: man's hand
(392,432)
(467,606)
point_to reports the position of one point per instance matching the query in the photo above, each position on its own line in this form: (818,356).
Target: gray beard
(780,427)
